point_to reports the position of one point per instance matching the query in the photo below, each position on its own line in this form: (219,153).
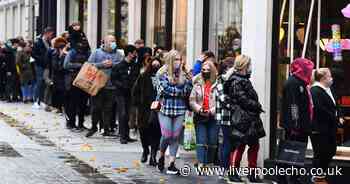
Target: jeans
(226,147)
(39,86)
(207,140)
(27,92)
(102,106)
(171,128)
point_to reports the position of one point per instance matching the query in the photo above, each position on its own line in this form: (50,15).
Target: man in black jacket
(9,53)
(124,75)
(39,53)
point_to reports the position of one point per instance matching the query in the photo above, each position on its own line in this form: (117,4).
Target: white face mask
(249,70)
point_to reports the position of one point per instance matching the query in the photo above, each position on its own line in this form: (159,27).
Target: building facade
(17,18)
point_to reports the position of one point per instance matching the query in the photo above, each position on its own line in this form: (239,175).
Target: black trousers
(76,100)
(102,109)
(324,147)
(123,108)
(150,134)
(11,87)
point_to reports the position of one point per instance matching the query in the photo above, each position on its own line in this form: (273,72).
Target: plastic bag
(189,132)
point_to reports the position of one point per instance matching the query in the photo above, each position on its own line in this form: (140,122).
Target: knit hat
(241,62)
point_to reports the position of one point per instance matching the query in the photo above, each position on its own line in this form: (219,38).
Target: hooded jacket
(296,113)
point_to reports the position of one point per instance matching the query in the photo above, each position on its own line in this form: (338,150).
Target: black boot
(144,156)
(161,163)
(153,158)
(91,132)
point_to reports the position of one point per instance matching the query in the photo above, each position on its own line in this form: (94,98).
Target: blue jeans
(207,141)
(226,146)
(39,85)
(27,92)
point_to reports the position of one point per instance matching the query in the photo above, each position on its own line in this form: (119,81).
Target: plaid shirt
(173,98)
(222,108)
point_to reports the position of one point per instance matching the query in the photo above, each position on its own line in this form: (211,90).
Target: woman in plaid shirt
(174,88)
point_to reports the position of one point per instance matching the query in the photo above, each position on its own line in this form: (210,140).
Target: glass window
(78,12)
(73,11)
(115,20)
(159,23)
(109,15)
(180,25)
(225,27)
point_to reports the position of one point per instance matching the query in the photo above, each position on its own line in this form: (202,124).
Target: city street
(35,148)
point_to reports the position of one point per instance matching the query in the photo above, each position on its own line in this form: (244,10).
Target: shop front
(325,43)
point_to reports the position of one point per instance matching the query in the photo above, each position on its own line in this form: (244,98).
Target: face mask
(206,75)
(249,70)
(113,45)
(330,82)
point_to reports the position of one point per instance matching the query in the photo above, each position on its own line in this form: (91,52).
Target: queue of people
(153,89)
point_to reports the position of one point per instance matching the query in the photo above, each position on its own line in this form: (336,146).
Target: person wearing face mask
(76,98)
(175,85)
(104,58)
(123,77)
(144,93)
(202,102)
(325,121)
(247,126)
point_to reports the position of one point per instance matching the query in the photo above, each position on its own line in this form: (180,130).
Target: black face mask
(155,69)
(206,75)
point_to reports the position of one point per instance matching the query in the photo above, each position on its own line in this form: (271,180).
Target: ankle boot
(144,156)
(153,158)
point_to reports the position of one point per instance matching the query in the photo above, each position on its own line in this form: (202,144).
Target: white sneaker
(36,105)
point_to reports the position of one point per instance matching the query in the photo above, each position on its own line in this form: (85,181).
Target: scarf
(302,69)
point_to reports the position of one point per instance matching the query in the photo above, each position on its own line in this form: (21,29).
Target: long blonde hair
(169,59)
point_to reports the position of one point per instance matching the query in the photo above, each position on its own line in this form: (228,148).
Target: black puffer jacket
(247,126)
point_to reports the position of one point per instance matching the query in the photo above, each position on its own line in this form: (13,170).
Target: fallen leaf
(86,147)
(136,164)
(121,170)
(93,159)
(29,126)
(162,180)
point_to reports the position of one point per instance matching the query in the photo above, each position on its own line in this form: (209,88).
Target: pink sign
(346,11)
(345,45)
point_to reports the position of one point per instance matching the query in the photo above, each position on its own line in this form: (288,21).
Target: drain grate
(7,150)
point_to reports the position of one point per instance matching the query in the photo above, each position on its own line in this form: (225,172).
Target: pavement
(35,147)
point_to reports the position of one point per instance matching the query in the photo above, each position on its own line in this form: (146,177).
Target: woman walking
(173,90)
(202,102)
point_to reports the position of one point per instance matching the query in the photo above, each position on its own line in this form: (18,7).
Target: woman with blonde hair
(174,87)
(324,123)
(202,102)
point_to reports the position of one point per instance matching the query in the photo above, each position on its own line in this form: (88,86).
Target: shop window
(225,27)
(180,25)
(78,12)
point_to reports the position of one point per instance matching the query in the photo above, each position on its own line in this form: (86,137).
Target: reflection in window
(225,27)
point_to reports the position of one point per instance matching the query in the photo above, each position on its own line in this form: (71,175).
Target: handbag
(156,104)
(291,153)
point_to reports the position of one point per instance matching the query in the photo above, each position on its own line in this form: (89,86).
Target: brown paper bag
(90,79)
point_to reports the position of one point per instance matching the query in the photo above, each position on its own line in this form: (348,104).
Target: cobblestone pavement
(35,147)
